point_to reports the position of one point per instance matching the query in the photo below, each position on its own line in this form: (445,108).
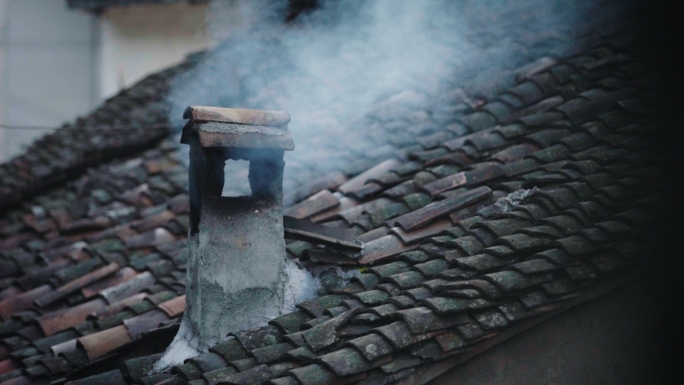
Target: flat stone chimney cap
(238,128)
(237,115)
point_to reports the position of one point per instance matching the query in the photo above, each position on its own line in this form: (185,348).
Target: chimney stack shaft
(236,248)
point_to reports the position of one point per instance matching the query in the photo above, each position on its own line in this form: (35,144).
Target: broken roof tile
(468,178)
(76,284)
(432,211)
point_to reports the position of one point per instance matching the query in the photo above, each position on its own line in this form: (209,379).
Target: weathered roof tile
(430,212)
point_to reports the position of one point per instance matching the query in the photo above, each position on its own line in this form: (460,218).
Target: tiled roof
(515,210)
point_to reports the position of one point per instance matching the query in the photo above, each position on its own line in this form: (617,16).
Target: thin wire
(91,128)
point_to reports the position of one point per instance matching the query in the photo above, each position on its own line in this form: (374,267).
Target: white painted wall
(140,40)
(48,68)
(58,63)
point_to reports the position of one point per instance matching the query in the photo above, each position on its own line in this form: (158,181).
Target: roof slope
(516,209)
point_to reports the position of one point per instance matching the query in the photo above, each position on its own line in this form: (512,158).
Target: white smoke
(331,66)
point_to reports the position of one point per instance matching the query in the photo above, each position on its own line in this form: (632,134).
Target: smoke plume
(363,78)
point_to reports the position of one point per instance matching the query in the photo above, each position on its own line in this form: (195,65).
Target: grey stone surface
(237,251)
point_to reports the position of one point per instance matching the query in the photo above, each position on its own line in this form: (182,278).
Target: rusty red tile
(468,178)
(431,229)
(237,115)
(63,319)
(427,214)
(8,365)
(76,284)
(87,225)
(156,166)
(173,307)
(21,302)
(447,183)
(99,344)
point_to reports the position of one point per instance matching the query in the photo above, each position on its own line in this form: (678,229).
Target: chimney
(236,247)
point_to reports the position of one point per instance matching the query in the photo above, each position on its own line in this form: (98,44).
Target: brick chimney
(236,248)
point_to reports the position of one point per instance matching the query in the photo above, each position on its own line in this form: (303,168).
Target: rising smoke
(363,78)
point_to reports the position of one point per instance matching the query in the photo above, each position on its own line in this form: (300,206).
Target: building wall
(621,338)
(140,40)
(48,68)
(58,63)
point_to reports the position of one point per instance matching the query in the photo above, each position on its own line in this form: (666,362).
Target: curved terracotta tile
(144,322)
(117,306)
(10,292)
(65,290)
(123,275)
(173,307)
(128,288)
(21,302)
(98,344)
(374,172)
(64,347)
(8,365)
(63,319)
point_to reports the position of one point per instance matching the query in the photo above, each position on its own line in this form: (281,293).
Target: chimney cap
(237,115)
(238,128)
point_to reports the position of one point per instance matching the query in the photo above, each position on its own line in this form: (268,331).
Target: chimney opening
(236,249)
(236,181)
